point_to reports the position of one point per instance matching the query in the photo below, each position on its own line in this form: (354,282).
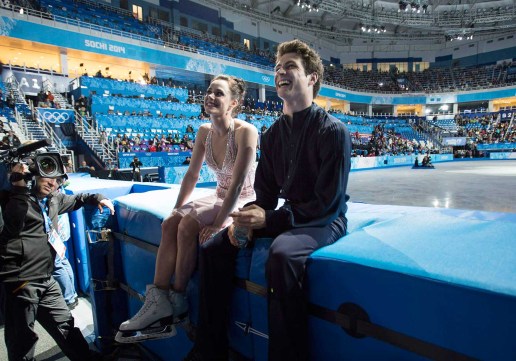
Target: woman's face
(218,98)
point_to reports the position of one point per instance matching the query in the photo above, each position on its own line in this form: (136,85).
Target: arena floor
(473,184)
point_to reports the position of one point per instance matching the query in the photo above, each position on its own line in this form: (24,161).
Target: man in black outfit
(29,244)
(136,164)
(305,159)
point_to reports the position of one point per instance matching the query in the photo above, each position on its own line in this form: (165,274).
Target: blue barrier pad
(109,188)
(443,276)
(81,220)
(149,209)
(439,275)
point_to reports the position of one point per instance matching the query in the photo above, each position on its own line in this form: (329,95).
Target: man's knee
(279,252)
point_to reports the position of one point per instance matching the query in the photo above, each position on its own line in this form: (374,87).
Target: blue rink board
(443,276)
(86,218)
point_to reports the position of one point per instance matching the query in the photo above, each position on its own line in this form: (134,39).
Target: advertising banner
(454,141)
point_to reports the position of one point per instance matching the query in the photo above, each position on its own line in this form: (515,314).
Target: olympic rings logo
(55,117)
(266,78)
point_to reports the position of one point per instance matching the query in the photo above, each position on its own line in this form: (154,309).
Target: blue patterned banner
(56,116)
(153,159)
(502,155)
(454,141)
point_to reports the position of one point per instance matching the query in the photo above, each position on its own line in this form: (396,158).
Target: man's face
(290,79)
(45,186)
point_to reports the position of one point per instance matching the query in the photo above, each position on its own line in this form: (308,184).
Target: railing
(22,126)
(58,98)
(89,133)
(508,130)
(22,122)
(13,86)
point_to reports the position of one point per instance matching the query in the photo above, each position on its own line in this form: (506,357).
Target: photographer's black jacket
(25,253)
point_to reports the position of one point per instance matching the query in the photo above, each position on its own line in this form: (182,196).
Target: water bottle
(241,234)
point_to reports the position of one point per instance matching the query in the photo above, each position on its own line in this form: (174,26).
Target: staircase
(58,98)
(90,135)
(31,129)
(86,131)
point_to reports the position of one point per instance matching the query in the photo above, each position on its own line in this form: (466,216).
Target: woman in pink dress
(228,145)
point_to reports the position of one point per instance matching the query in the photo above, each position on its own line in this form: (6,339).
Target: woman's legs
(167,252)
(186,260)
(177,252)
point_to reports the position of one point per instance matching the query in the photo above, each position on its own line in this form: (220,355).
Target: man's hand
(22,169)
(106,203)
(252,217)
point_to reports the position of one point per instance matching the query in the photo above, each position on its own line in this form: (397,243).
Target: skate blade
(182,320)
(154,333)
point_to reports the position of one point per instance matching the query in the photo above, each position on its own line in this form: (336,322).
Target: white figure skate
(154,320)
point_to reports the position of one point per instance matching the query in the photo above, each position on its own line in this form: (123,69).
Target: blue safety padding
(259,319)
(443,276)
(137,274)
(80,250)
(79,224)
(444,252)
(108,304)
(439,275)
(149,209)
(109,188)
(145,187)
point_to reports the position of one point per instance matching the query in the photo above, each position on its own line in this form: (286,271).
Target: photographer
(136,164)
(29,244)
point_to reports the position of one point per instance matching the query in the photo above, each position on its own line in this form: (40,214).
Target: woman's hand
(207,232)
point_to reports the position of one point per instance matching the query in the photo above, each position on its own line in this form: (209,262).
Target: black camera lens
(48,167)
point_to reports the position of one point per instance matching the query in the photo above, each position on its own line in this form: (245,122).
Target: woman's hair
(311,59)
(237,87)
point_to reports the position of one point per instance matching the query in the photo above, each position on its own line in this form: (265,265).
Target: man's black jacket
(25,253)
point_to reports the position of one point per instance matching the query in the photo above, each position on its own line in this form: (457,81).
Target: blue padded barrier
(93,259)
(442,276)
(110,189)
(150,209)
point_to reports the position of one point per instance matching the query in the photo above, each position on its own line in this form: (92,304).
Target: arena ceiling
(344,21)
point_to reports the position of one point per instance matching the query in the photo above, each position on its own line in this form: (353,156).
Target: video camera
(48,165)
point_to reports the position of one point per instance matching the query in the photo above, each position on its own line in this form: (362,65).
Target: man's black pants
(288,317)
(40,300)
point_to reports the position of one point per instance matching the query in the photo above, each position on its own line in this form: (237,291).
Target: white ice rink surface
(477,185)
